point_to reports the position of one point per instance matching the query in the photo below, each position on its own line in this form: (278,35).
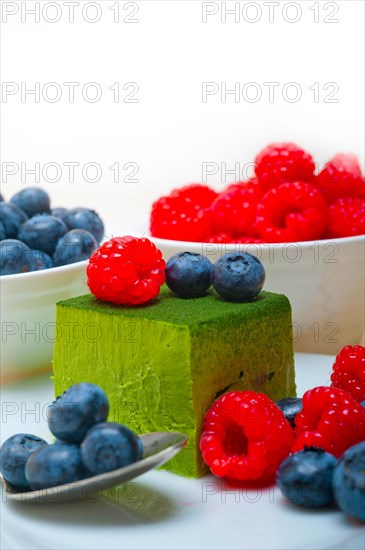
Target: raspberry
(221,238)
(245,437)
(341,177)
(346,217)
(310,439)
(126,270)
(283,162)
(244,239)
(197,194)
(348,371)
(335,420)
(234,210)
(183,215)
(226,238)
(292,212)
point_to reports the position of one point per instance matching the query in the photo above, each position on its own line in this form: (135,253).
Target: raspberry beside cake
(163,364)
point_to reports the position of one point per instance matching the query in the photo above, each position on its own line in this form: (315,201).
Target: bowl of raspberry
(306,227)
(43,259)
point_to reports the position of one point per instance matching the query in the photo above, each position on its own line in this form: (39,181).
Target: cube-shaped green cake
(163,364)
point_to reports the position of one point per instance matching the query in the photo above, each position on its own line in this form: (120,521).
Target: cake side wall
(164,376)
(142,365)
(254,353)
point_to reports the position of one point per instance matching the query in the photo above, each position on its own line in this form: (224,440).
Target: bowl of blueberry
(307,226)
(43,258)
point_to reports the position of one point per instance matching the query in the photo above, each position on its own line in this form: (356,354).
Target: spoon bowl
(158,448)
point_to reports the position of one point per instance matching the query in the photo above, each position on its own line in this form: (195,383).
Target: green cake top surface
(167,307)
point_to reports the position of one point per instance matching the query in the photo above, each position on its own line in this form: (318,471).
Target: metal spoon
(158,447)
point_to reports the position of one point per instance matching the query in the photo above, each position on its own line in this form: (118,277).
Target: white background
(170,132)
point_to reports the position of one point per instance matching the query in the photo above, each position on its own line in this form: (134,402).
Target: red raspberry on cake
(341,177)
(330,418)
(234,210)
(126,270)
(292,212)
(346,217)
(183,215)
(283,162)
(348,372)
(245,437)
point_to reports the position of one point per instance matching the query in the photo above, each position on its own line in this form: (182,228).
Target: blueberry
(14,454)
(14,257)
(32,200)
(188,274)
(54,465)
(12,218)
(59,212)
(305,477)
(61,442)
(349,481)
(75,246)
(83,218)
(290,407)
(77,410)
(109,446)
(40,260)
(238,277)
(363,403)
(2,232)
(42,232)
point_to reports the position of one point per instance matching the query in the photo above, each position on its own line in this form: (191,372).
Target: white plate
(162,510)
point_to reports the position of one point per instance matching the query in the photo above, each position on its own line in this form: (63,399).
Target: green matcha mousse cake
(163,364)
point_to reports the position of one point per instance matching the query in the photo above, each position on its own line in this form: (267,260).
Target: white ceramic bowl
(324,281)
(28,305)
